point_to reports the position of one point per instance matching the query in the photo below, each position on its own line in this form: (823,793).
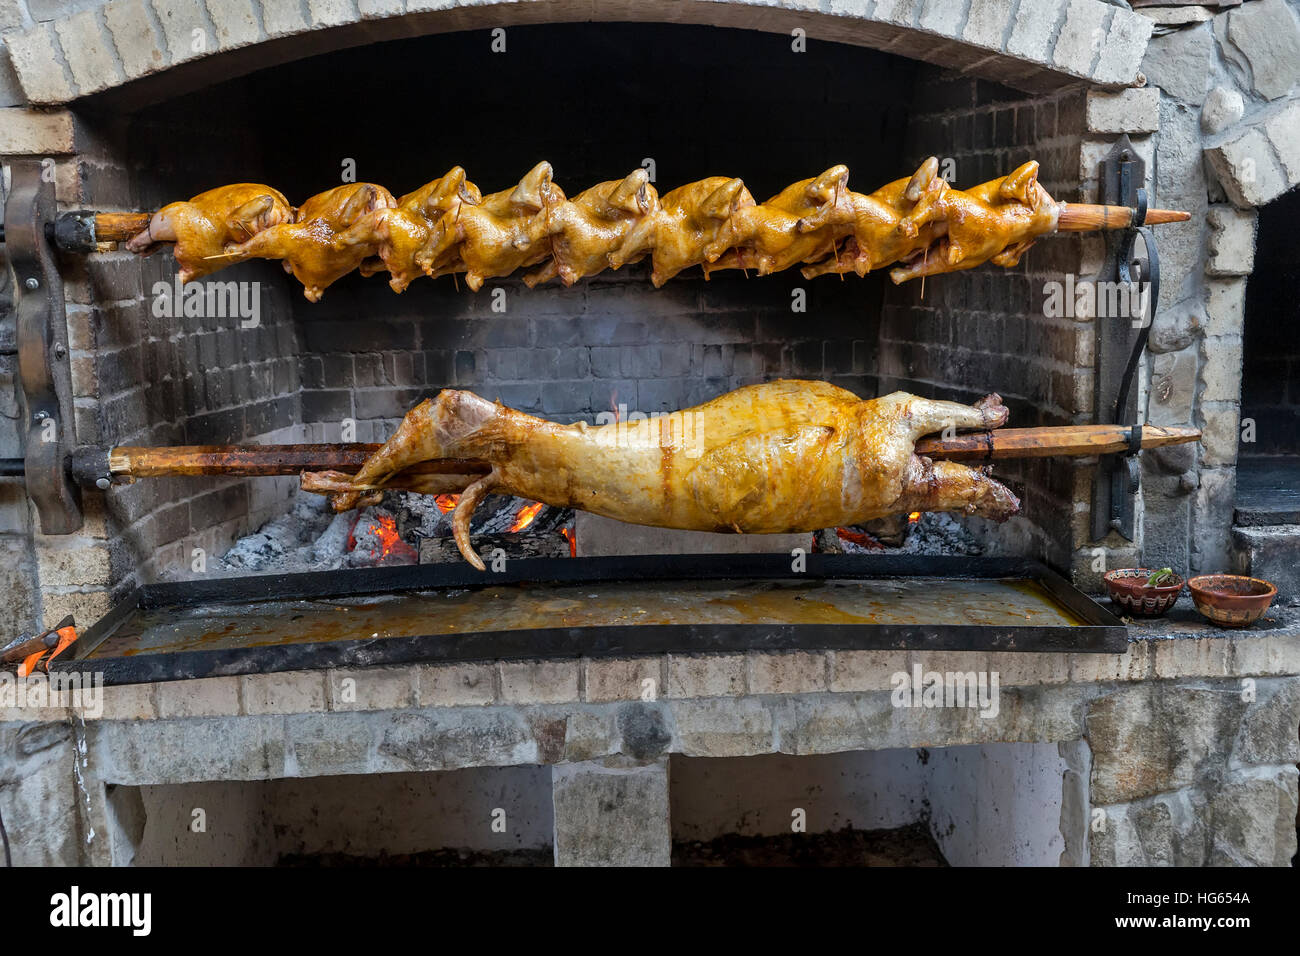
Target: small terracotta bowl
(1128,589)
(1231,600)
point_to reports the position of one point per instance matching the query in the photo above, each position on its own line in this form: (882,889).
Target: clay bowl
(1128,589)
(1231,600)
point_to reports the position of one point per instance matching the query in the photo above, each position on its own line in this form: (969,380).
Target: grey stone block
(1270,552)
(1149,739)
(611,816)
(1268,35)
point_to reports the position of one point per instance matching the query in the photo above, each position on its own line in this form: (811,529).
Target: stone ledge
(99,48)
(314,744)
(1182,646)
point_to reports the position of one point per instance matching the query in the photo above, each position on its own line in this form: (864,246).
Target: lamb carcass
(206,227)
(779,457)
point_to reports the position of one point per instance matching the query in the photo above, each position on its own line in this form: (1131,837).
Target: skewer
(1074,217)
(1087,217)
(254,460)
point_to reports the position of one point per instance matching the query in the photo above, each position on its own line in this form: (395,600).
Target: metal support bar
(42,342)
(1121,341)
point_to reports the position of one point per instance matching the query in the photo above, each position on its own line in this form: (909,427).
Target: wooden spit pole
(253,460)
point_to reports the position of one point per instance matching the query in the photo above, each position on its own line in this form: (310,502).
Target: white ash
(310,537)
(933,533)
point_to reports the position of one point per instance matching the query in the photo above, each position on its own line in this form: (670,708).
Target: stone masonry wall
(1187,742)
(1229,141)
(963,335)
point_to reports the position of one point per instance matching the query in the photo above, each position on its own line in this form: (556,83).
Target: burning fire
(525,516)
(860,538)
(383,530)
(914,517)
(446,503)
(572,538)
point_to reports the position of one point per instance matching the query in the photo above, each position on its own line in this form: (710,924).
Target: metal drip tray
(569,607)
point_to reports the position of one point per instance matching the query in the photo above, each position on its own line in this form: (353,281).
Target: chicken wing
(779,457)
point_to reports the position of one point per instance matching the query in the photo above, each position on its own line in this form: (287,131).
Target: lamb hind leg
(929,415)
(951,486)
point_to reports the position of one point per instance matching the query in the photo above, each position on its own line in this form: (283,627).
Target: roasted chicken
(779,457)
(401,234)
(447,227)
(996,221)
(771,230)
(876,225)
(205,228)
(688,220)
(504,232)
(308,246)
(586,229)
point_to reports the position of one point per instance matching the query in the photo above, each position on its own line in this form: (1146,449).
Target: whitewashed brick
(1225,306)
(1035,26)
(799,672)
(1123,49)
(28,133)
(283,17)
(35,61)
(85,48)
(457,685)
(623,679)
(235,22)
(539,682)
(138,44)
(1081,36)
(709,675)
(288,692)
(1231,246)
(372,688)
(205,697)
(859,671)
(1220,369)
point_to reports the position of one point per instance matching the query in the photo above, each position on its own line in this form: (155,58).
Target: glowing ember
(914,517)
(385,529)
(383,541)
(860,538)
(572,538)
(525,516)
(446,503)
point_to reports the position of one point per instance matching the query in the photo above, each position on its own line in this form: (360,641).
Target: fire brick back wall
(146,374)
(963,335)
(696,102)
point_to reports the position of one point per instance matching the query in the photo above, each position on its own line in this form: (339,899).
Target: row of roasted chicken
(448,227)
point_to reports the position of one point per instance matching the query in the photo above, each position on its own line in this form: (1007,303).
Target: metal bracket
(1121,340)
(42,341)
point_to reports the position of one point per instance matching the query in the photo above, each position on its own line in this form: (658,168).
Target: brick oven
(1179,736)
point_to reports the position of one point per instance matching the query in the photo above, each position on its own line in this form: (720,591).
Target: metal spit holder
(41,336)
(1121,342)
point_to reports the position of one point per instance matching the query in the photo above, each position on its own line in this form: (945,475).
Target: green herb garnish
(1163,576)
